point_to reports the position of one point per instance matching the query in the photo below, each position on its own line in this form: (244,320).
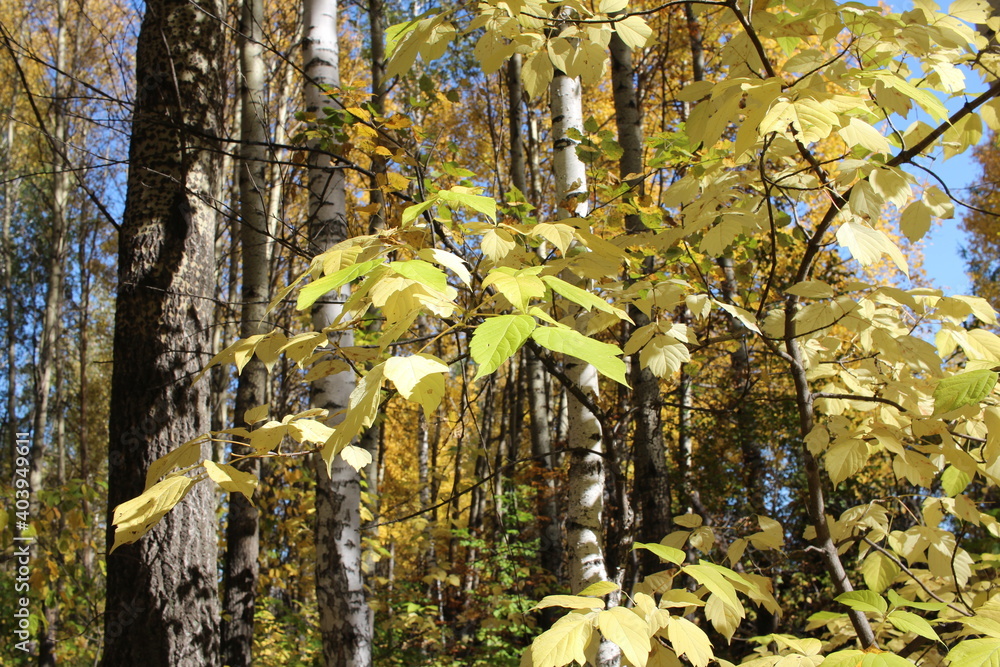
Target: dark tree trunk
(243,528)
(162,602)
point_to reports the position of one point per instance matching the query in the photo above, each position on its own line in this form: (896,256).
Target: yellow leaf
(418,378)
(724,618)
(231,479)
(267,437)
(859,133)
(447,260)
(537,73)
(806,120)
(570,602)
(845,458)
(362,409)
(688,520)
(397,181)
(134,518)
(558,234)
(269,349)
(186,455)
(254,415)
(309,430)
(356,457)
(626,629)
(664,356)
(690,640)
(496,244)
(867,245)
(564,642)
(633,31)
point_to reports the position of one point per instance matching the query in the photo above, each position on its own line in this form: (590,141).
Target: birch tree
(345,619)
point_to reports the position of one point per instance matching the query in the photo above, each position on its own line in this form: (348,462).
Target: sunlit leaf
(497,339)
(603,356)
(231,479)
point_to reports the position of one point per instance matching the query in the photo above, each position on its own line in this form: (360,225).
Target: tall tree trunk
(85,252)
(345,619)
(55,259)
(376,24)
(162,595)
(652,482)
(539,417)
(10,399)
(585,497)
(243,528)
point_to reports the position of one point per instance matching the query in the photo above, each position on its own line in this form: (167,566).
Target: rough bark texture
(162,602)
(376,24)
(652,480)
(243,528)
(345,619)
(539,416)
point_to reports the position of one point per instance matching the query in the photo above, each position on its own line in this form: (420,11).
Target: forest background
(504,309)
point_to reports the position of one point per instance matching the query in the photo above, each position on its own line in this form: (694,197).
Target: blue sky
(941,247)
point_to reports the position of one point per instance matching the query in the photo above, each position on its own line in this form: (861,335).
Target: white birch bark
(345,619)
(57,252)
(585,499)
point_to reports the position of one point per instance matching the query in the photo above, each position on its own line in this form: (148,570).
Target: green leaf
(898,601)
(582,297)
(864,601)
(422,272)
(954,481)
(665,553)
(411,213)
(603,356)
(518,287)
(624,627)
(963,389)
(976,653)
(907,621)
(485,205)
(311,293)
(879,571)
(497,339)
